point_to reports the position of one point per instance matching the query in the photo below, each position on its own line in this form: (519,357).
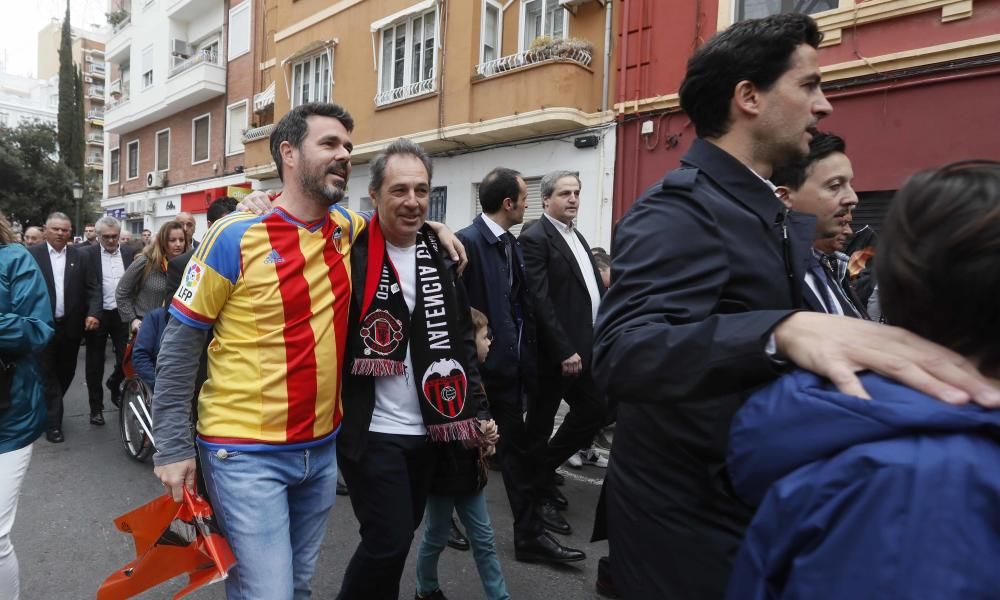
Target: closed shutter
(534,210)
(871,209)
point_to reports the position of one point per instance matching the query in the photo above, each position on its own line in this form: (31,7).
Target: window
(210,50)
(542,17)
(133,159)
(490,31)
(236,123)
(200,138)
(113,168)
(162,152)
(147,67)
(755,9)
(239,30)
(407,66)
(437,208)
(4,118)
(311,80)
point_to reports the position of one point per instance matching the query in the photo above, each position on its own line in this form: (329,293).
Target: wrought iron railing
(529,57)
(183,64)
(258,133)
(404,92)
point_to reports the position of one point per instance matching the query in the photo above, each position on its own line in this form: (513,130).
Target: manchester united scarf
(432,333)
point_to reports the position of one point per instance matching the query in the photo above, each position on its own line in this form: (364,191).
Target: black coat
(80,291)
(485,282)
(700,278)
(358,393)
(95,270)
(562,302)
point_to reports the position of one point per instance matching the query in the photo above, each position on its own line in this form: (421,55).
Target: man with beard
(276,288)
(709,268)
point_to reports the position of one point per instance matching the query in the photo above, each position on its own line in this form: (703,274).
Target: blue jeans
(472,512)
(273,508)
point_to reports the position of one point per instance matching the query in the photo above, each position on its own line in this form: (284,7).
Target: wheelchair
(135,416)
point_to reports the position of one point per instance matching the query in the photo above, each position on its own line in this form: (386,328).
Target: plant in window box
(572,48)
(117,16)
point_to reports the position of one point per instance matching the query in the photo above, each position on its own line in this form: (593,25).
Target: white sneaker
(593,457)
(576,461)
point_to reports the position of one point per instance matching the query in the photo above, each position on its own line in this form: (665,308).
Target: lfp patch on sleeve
(189,284)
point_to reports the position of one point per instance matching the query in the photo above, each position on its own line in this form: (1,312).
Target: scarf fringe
(464,431)
(377,367)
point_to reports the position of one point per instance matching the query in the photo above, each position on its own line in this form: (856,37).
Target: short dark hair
(938,263)
(293,127)
(756,50)
(601,257)
(219,208)
(88,224)
(822,145)
(399,147)
(550,179)
(500,183)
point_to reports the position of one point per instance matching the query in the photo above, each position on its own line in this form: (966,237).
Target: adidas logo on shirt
(273,258)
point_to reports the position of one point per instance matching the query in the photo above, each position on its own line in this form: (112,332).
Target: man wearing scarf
(411,378)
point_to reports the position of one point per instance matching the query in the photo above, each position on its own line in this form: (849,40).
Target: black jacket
(358,393)
(700,278)
(95,270)
(80,291)
(562,302)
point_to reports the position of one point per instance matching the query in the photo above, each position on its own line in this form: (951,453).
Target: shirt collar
(564,228)
(773,187)
(115,253)
(494,227)
(56,252)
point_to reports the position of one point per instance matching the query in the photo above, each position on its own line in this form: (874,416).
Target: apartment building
(478,83)
(88,56)
(178,101)
(911,83)
(28,100)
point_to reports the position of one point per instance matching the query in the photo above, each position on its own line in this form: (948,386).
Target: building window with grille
(162,151)
(114,158)
(542,18)
(408,58)
(437,205)
(133,159)
(200,128)
(311,80)
(491,31)
(756,9)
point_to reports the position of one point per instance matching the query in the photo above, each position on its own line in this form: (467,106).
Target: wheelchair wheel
(135,420)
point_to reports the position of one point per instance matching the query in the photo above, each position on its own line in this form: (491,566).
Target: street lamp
(77,196)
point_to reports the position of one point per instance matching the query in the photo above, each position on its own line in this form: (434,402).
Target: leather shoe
(552,520)
(435,595)
(97,419)
(545,548)
(55,436)
(556,497)
(116,394)
(457,539)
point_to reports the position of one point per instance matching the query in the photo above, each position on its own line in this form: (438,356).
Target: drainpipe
(607,55)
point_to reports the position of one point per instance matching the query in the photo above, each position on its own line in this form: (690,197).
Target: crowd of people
(774,437)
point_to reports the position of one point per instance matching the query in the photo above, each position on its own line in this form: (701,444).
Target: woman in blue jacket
(897,496)
(25,329)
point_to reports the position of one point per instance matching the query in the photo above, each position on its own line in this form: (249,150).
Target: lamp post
(77,196)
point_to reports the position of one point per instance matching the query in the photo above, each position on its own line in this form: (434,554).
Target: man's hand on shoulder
(839,347)
(451,244)
(257,202)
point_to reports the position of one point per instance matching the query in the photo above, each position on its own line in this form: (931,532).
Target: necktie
(508,250)
(830,270)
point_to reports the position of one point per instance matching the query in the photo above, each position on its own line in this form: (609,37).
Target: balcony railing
(529,57)
(95,138)
(181,64)
(96,92)
(95,114)
(407,91)
(96,69)
(95,160)
(122,24)
(258,133)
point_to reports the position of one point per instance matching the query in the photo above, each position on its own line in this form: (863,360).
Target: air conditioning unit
(135,207)
(155,179)
(180,48)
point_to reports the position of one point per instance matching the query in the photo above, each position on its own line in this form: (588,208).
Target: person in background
(33,235)
(89,236)
(25,330)
(147,237)
(126,237)
(603,261)
(186,219)
(143,287)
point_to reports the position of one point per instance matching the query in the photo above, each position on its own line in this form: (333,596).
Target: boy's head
(482,326)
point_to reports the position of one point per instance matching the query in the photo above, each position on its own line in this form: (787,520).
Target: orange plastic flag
(170,539)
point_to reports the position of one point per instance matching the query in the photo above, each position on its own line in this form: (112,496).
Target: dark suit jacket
(562,302)
(80,291)
(485,280)
(175,269)
(95,271)
(358,393)
(700,278)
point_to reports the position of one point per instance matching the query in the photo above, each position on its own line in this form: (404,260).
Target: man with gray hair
(567,289)
(106,263)
(33,235)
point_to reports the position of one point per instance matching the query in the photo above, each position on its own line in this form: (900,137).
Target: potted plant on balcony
(544,47)
(117,16)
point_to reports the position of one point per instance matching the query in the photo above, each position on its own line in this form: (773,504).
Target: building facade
(912,84)
(478,83)
(27,100)
(177,105)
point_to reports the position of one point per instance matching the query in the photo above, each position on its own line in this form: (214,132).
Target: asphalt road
(67,544)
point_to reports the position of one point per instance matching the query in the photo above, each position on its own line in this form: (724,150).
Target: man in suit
(497,285)
(567,290)
(70,294)
(708,268)
(106,263)
(89,236)
(186,220)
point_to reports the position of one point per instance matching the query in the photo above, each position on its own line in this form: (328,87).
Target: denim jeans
(273,508)
(472,512)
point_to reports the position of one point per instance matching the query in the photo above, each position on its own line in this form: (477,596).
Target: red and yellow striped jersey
(277,292)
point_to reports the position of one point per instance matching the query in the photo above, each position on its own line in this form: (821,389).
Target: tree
(70,103)
(32,182)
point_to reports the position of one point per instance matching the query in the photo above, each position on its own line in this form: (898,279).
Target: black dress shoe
(342,488)
(55,436)
(545,548)
(605,585)
(557,498)
(552,520)
(457,539)
(97,419)
(435,595)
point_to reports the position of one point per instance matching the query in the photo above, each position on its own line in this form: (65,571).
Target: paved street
(67,544)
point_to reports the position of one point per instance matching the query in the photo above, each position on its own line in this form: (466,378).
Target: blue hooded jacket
(894,497)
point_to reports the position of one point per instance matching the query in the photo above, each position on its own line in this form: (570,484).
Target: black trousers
(97,342)
(587,413)
(58,366)
(517,455)
(389,487)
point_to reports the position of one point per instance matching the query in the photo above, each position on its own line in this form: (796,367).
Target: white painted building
(27,100)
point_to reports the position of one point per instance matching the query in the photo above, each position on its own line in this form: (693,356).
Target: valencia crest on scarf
(431,332)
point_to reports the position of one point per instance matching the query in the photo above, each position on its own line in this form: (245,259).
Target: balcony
(95,116)
(506,64)
(190,10)
(181,64)
(257,160)
(407,91)
(258,133)
(95,93)
(125,21)
(95,161)
(95,70)
(95,139)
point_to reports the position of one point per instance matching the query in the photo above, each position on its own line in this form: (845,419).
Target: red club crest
(381,333)
(444,384)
